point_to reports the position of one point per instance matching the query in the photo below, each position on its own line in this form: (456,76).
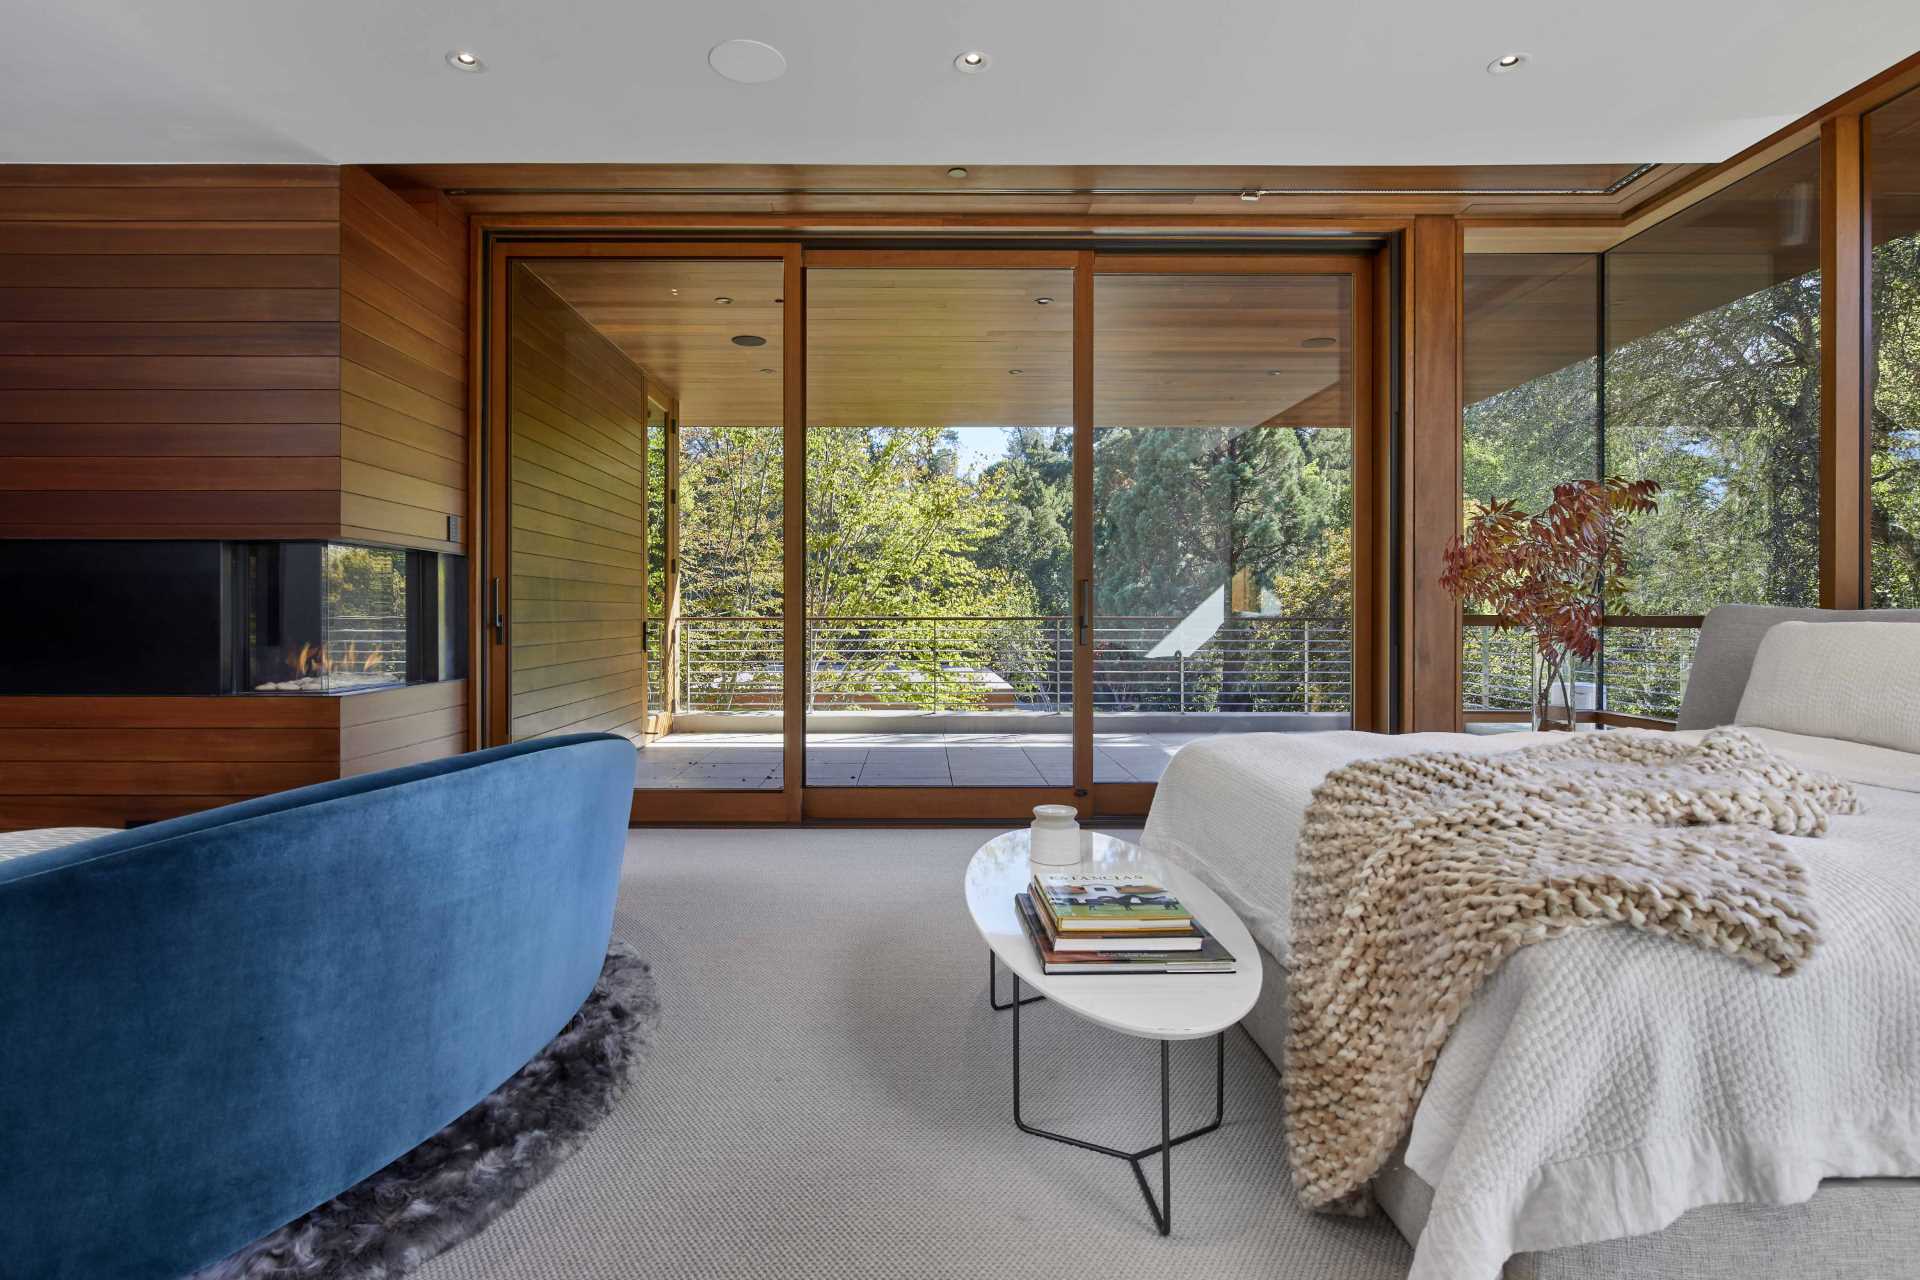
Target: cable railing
(1249,664)
(1642,670)
(1014,663)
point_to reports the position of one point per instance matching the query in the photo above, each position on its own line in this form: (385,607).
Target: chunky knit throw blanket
(1417,875)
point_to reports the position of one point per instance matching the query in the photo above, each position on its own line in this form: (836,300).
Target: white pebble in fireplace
(340,682)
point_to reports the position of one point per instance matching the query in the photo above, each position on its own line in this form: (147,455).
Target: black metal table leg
(1161,1207)
(993,984)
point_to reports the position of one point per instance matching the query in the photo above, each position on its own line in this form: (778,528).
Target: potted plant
(1554,574)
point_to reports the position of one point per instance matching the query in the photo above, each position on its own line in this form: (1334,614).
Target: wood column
(796,692)
(1081,608)
(1430,476)
(1843,336)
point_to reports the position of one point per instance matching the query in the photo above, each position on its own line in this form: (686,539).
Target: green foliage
(1519,444)
(1180,510)
(365,582)
(1895,425)
(1723,409)
(899,533)
(1035,487)
(730,519)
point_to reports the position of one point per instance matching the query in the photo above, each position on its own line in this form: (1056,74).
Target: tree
(1895,424)
(896,538)
(1723,409)
(1035,484)
(1183,514)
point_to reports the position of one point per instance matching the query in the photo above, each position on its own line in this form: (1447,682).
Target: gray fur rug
(451,1186)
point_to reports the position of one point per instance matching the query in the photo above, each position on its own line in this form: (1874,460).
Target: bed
(1612,1104)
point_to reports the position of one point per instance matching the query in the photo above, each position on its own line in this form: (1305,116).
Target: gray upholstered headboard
(1730,637)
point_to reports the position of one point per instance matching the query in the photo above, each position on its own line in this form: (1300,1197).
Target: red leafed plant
(1554,573)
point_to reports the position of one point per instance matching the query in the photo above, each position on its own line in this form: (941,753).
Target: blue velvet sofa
(210,1025)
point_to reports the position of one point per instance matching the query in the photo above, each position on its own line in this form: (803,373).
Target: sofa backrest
(1730,637)
(210,1025)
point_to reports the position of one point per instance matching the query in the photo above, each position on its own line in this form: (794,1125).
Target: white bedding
(1602,1084)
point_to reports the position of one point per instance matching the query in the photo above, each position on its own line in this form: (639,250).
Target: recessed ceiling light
(1041,302)
(749,340)
(747,61)
(958,171)
(1507,62)
(1274,373)
(724,300)
(972,62)
(465,60)
(1317,342)
(766,371)
(1016,372)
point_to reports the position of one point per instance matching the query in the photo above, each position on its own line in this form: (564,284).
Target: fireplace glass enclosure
(329,617)
(116,618)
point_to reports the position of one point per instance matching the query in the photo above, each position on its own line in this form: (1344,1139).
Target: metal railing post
(1306,661)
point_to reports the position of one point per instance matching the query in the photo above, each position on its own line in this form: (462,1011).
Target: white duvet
(1602,1084)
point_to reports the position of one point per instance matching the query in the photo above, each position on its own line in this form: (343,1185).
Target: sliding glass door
(1228,402)
(901,533)
(939,557)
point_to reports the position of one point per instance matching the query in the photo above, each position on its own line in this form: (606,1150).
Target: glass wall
(1893,149)
(1688,355)
(1713,389)
(1532,421)
(1223,510)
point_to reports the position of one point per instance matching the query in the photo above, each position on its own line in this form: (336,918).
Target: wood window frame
(1377,263)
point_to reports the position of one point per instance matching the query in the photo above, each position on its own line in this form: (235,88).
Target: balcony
(982,701)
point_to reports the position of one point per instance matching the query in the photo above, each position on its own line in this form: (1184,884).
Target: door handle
(499,613)
(1085,621)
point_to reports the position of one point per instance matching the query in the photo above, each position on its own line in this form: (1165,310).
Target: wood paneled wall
(225,352)
(402,726)
(578,593)
(112,761)
(107,762)
(240,352)
(169,352)
(403,366)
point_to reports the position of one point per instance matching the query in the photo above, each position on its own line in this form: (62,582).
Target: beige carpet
(831,1098)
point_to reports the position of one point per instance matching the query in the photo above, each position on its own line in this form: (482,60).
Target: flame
(373,659)
(300,663)
(347,659)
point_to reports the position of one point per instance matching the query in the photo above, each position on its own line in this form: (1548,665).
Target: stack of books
(1121,924)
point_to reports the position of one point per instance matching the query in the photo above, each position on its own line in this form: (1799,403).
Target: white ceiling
(1109,82)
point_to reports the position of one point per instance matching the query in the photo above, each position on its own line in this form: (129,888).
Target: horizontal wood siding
(170,351)
(578,425)
(402,726)
(113,761)
(403,368)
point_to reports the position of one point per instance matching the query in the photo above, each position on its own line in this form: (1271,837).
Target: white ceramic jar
(1055,836)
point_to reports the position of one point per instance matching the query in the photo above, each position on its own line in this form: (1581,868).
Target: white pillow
(1855,681)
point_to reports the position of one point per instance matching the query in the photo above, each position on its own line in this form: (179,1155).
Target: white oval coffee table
(1154,1006)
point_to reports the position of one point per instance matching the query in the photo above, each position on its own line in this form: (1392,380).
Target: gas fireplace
(272,618)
